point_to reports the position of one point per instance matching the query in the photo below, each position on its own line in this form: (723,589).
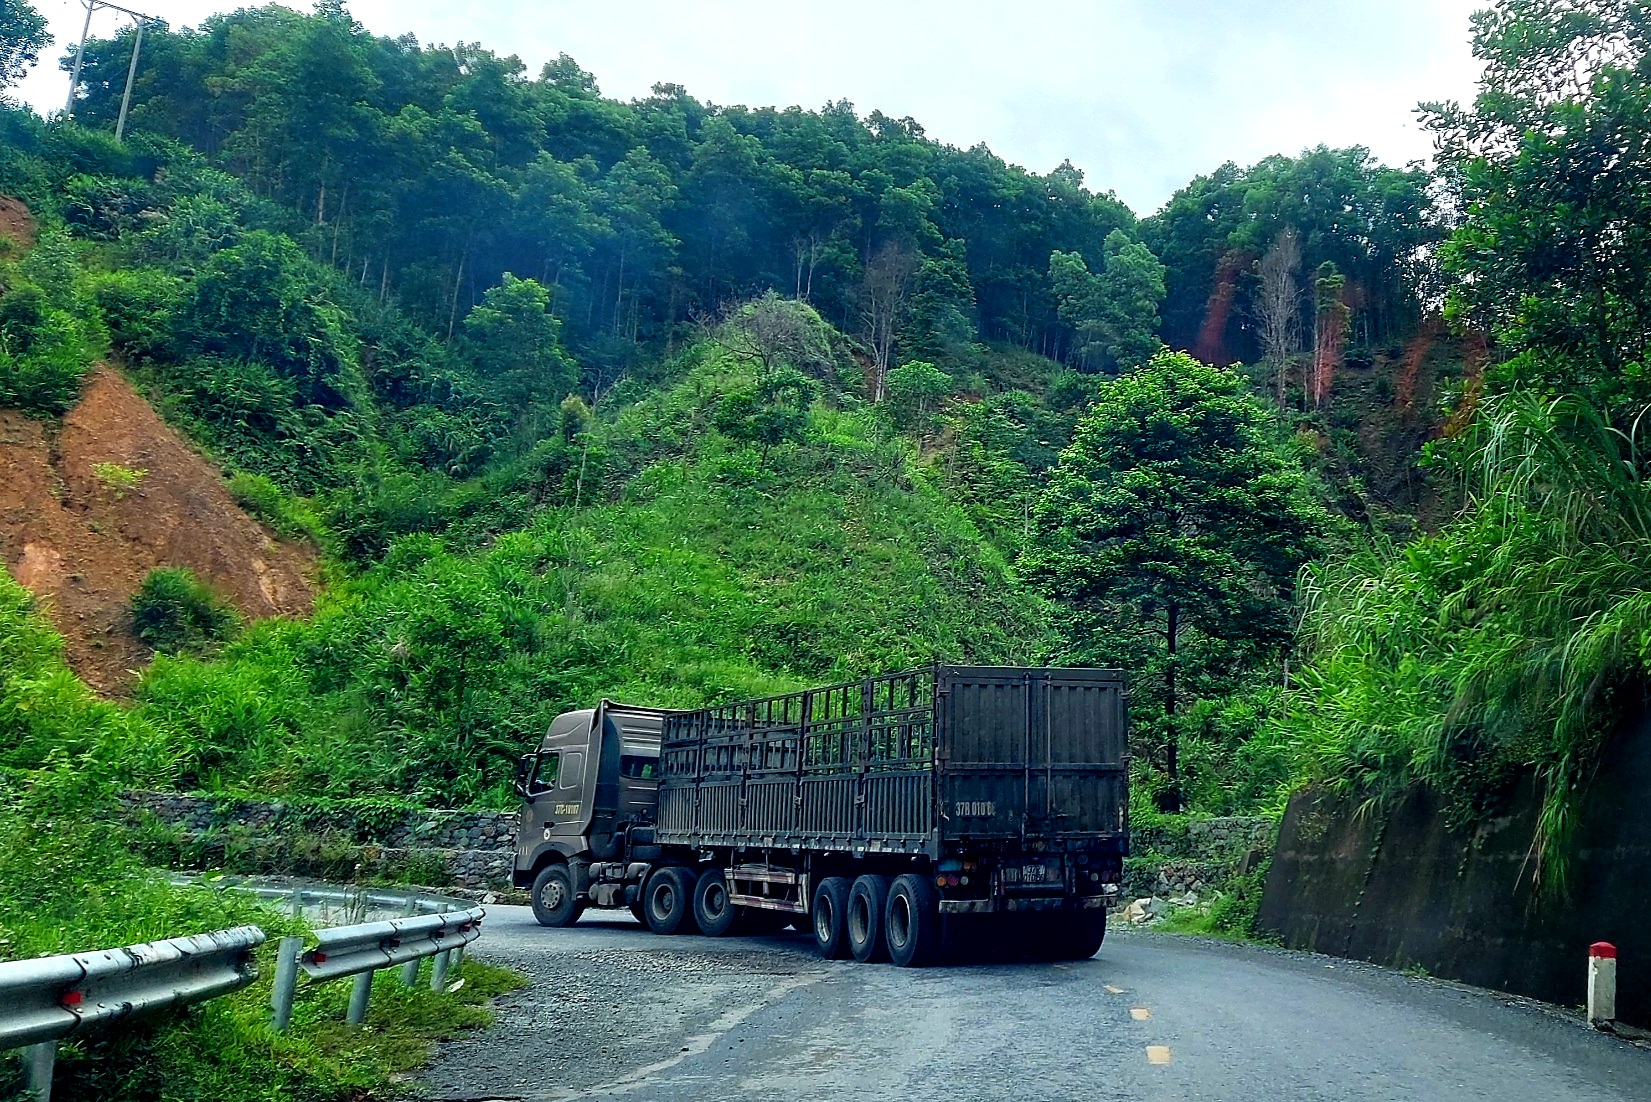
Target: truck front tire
(912,922)
(868,903)
(668,900)
(713,910)
(554,901)
(828,917)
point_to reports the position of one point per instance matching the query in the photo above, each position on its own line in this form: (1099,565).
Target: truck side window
(638,768)
(573,770)
(544,774)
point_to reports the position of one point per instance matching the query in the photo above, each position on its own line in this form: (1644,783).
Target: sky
(1142,95)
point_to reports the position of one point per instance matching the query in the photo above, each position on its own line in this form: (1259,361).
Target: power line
(142,22)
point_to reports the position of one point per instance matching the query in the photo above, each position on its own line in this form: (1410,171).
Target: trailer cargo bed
(904,763)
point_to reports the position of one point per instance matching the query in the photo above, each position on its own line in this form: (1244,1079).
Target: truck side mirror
(524,770)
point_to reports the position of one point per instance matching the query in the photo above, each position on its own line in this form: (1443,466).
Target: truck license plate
(1033,874)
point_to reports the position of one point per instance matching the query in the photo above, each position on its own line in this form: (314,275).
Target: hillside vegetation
(682,403)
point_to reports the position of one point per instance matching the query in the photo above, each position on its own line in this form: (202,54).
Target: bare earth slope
(84,547)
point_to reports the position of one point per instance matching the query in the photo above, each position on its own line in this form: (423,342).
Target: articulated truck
(893,818)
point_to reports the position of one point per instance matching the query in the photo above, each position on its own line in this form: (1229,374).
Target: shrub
(121,480)
(285,514)
(175,612)
(141,309)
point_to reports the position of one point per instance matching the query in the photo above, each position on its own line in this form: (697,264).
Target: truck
(898,817)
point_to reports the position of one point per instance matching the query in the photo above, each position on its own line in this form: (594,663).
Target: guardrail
(47,999)
(362,950)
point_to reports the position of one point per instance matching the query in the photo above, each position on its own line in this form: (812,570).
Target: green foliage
(173,611)
(1506,643)
(1174,523)
(67,884)
(49,332)
(771,412)
(914,390)
(22,36)
(1114,311)
(1552,258)
(517,343)
(120,480)
(285,514)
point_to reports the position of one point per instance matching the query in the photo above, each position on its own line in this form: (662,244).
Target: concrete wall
(1399,885)
(462,849)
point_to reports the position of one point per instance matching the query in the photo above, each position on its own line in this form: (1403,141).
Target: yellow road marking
(1110,990)
(1140,1013)
(1158,1054)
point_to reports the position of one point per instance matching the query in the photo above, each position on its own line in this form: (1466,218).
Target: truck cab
(594,775)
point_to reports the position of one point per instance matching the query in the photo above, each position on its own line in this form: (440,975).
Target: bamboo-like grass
(1508,643)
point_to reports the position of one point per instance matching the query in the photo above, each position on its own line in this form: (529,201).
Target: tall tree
(1114,311)
(1551,167)
(22,37)
(1173,512)
(1278,302)
(885,294)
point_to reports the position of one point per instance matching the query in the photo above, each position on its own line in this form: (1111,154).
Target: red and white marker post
(1602,983)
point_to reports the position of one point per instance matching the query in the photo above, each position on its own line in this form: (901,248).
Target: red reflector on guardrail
(318,958)
(1603,949)
(72,998)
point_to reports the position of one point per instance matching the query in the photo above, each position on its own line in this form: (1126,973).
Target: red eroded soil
(16,224)
(83,547)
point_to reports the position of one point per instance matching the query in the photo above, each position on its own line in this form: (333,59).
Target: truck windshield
(544,774)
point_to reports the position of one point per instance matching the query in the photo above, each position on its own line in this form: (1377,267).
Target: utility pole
(142,22)
(131,75)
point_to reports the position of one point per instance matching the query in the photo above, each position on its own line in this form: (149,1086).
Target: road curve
(616,1013)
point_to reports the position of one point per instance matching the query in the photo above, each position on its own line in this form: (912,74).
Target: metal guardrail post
(409,971)
(286,981)
(41,1060)
(438,970)
(360,993)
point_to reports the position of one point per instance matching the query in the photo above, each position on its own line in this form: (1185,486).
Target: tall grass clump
(1508,644)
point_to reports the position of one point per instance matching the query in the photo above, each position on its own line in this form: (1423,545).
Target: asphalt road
(616,1013)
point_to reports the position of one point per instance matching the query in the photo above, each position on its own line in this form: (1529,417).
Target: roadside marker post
(1602,984)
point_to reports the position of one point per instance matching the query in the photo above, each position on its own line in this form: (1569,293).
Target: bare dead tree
(774,332)
(884,294)
(1278,301)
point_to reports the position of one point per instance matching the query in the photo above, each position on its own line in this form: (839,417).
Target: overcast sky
(1140,94)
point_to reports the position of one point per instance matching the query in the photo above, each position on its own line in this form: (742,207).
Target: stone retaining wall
(349,839)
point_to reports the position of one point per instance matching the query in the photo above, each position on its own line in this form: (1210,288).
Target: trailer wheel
(1081,934)
(868,902)
(713,910)
(554,901)
(667,900)
(828,916)
(912,922)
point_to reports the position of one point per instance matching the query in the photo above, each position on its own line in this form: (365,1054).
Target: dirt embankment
(83,543)
(16,223)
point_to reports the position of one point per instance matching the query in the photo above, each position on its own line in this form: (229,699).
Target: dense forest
(681,402)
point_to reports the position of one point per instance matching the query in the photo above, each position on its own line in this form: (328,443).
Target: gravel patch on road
(606,1000)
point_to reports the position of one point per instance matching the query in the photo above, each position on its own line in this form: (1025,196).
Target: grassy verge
(68,884)
(1229,914)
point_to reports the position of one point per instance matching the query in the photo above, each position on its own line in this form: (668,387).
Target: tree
(772,412)
(22,37)
(1278,301)
(518,344)
(942,307)
(885,292)
(915,389)
(1173,513)
(1329,330)
(775,332)
(1551,167)
(1114,311)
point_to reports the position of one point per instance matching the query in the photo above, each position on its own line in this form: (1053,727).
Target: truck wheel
(868,902)
(554,903)
(829,917)
(667,900)
(713,910)
(637,912)
(912,922)
(1082,934)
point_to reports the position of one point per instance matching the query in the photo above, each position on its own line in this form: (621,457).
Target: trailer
(890,817)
